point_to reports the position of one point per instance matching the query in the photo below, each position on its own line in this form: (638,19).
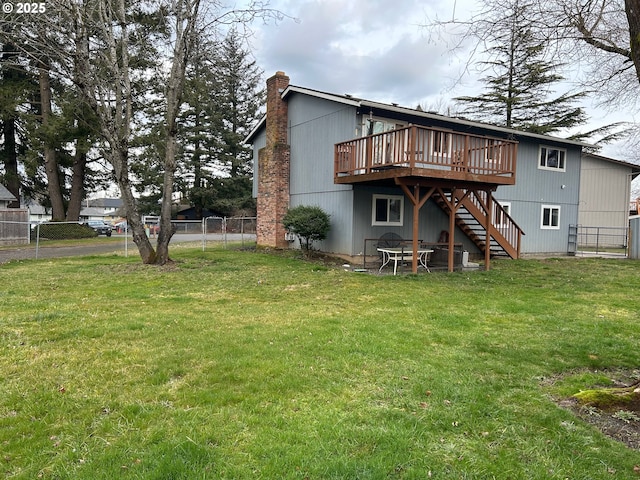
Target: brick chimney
(273,168)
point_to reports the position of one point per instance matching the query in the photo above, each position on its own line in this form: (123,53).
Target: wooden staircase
(471,218)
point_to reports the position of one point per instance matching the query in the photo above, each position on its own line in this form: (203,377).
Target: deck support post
(417,202)
(452,204)
(452,228)
(487,227)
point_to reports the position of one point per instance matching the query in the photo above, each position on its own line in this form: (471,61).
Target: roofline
(470,123)
(254,130)
(6,195)
(635,168)
(360,103)
(346,99)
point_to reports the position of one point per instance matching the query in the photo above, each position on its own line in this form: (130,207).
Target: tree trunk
(9,152)
(51,165)
(77,180)
(632,9)
(119,161)
(166,227)
(10,158)
(174,90)
(186,17)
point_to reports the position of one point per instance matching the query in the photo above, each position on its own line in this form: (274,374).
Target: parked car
(100,227)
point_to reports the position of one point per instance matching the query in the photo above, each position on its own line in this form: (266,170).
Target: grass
(68,242)
(248,365)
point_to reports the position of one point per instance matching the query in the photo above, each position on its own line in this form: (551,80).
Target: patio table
(400,254)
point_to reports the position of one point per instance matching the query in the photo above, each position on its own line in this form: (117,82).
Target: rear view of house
(382,170)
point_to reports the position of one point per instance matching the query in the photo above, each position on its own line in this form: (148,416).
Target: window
(552,158)
(387,210)
(441,143)
(373,126)
(550,217)
(493,151)
(501,219)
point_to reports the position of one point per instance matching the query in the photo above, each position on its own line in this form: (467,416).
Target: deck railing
(501,221)
(427,148)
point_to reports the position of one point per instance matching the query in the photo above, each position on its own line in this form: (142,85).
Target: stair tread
(473,228)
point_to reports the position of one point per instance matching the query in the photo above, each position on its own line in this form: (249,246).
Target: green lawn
(238,365)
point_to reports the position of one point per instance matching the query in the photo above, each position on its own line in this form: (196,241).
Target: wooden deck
(460,171)
(426,153)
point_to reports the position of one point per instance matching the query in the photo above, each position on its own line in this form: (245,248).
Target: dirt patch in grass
(313,256)
(620,421)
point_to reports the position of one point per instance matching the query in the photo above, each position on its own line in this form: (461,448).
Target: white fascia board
(346,99)
(254,130)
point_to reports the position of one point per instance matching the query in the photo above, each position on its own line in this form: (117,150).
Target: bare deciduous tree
(601,35)
(109,67)
(598,39)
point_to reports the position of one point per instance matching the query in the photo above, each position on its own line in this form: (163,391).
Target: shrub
(63,231)
(308,223)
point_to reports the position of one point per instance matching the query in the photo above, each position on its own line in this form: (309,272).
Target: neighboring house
(38,213)
(191,213)
(94,213)
(605,190)
(107,209)
(14,225)
(384,169)
(6,197)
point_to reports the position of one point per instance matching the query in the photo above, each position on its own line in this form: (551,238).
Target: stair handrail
(510,230)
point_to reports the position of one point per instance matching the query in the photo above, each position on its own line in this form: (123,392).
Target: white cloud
(375,49)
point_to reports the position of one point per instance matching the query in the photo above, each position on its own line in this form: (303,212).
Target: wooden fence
(14,226)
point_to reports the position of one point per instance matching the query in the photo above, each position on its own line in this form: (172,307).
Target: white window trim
(389,125)
(493,146)
(448,142)
(552,169)
(507,207)
(551,207)
(374,199)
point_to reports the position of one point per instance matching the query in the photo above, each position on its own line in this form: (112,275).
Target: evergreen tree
(200,122)
(46,126)
(242,97)
(519,89)
(224,99)
(16,86)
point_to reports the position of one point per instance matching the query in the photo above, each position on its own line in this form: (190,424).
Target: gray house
(383,170)
(605,190)
(6,197)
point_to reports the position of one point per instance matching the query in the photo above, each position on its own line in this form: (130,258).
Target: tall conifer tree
(224,95)
(520,83)
(242,97)
(15,88)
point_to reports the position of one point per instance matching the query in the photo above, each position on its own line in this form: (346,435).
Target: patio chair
(389,240)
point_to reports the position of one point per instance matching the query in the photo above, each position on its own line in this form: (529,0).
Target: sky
(374,49)
(381,51)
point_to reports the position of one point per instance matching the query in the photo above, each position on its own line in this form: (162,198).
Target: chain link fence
(37,240)
(595,240)
(237,230)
